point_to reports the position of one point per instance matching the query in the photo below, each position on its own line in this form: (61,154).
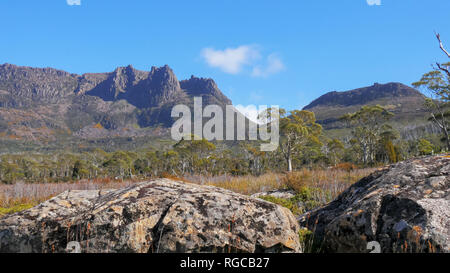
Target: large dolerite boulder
(404,207)
(157,216)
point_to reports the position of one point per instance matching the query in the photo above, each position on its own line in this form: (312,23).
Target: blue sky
(283,53)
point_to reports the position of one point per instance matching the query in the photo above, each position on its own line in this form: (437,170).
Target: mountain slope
(366,95)
(405,102)
(45,104)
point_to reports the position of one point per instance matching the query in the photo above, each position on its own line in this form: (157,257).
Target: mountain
(405,102)
(46,104)
(130,108)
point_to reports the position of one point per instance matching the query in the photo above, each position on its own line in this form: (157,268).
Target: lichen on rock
(156,216)
(404,207)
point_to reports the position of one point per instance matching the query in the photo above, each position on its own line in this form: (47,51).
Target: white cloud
(73,2)
(234,60)
(274,65)
(374,2)
(231,60)
(250,111)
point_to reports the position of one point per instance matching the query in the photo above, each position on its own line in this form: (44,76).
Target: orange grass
(19,196)
(331,180)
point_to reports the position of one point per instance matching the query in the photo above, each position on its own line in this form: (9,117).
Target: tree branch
(443,69)
(441,45)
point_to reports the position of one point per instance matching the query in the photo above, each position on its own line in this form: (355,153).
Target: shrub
(302,202)
(290,204)
(16,208)
(345,166)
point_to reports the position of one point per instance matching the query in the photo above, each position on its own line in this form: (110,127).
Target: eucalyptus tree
(437,82)
(296,130)
(334,150)
(367,125)
(194,154)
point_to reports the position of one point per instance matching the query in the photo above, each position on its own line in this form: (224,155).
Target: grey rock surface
(156,216)
(282,193)
(405,207)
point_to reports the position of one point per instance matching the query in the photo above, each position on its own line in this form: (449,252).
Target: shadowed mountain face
(405,102)
(40,103)
(366,95)
(201,86)
(139,88)
(142,89)
(21,85)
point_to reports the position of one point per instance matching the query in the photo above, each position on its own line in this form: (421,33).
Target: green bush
(305,200)
(287,203)
(15,208)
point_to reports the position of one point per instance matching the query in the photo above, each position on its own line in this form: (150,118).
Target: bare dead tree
(438,85)
(441,46)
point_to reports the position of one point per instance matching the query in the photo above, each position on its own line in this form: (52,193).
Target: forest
(303,144)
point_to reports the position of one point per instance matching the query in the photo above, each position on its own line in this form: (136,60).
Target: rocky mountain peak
(365,95)
(164,75)
(162,84)
(405,102)
(36,83)
(195,86)
(122,77)
(77,101)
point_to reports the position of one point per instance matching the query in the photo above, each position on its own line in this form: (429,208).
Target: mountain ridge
(363,95)
(405,102)
(47,103)
(161,84)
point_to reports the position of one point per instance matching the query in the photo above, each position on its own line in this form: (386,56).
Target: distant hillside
(405,102)
(45,104)
(130,108)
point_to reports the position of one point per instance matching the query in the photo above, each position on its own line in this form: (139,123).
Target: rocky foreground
(404,207)
(157,216)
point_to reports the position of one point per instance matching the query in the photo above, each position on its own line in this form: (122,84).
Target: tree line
(302,144)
